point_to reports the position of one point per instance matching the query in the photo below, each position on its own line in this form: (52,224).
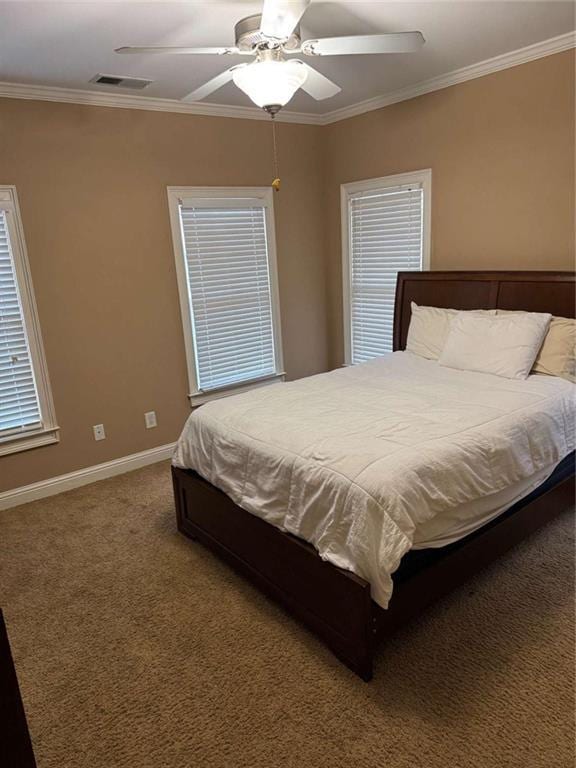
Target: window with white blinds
(227,248)
(19,406)
(385,231)
(26,415)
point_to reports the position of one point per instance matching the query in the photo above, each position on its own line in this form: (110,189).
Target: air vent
(119,81)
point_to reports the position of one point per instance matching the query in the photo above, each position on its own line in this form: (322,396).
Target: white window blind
(228,273)
(19,403)
(385,231)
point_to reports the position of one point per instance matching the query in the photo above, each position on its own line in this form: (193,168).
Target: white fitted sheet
(357,460)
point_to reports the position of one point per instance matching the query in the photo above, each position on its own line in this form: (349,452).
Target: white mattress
(363,462)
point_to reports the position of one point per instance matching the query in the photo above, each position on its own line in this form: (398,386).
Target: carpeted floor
(135,647)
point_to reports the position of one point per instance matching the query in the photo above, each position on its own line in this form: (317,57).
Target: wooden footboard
(334,603)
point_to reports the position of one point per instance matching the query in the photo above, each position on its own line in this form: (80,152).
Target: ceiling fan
(271,80)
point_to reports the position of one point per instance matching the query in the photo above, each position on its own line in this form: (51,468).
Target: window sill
(199,398)
(25,442)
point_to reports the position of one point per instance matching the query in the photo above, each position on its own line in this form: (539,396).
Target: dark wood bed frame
(334,603)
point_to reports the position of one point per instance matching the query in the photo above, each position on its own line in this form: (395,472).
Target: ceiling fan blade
(400,42)
(281,17)
(318,85)
(169,49)
(211,86)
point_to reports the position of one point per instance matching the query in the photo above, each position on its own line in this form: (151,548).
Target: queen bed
(359,496)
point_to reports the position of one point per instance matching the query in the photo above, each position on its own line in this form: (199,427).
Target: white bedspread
(353,460)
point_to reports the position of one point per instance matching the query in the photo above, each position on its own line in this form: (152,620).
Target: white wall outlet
(99,433)
(150,419)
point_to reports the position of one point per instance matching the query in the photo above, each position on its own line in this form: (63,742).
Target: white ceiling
(64,44)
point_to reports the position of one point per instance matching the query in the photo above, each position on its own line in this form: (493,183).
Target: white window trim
(180,196)
(347,191)
(48,432)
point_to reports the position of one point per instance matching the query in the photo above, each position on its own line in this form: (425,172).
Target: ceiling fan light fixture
(269,82)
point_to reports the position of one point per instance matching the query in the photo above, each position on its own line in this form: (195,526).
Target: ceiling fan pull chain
(276,182)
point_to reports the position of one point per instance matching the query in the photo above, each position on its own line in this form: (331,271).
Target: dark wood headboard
(552,292)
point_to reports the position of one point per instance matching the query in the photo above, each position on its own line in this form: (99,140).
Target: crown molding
(480,69)
(128,101)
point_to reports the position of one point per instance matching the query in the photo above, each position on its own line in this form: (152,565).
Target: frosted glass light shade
(270,83)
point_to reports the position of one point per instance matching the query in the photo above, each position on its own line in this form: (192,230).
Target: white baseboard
(54,485)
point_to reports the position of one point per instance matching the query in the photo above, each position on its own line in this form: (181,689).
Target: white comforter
(353,460)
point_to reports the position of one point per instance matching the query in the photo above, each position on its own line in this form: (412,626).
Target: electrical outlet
(150,419)
(99,433)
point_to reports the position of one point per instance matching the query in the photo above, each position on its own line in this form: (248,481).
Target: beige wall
(501,150)
(92,186)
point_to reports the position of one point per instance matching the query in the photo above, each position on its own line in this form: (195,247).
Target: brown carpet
(135,647)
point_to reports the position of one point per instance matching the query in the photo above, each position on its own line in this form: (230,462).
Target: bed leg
(365,634)
(360,661)
(365,669)
(180,504)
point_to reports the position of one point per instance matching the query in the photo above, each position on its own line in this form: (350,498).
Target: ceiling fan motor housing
(249,37)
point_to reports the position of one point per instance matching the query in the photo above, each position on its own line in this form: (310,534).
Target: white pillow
(504,345)
(429,328)
(557,356)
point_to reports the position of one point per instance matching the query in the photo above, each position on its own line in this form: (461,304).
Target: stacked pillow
(508,344)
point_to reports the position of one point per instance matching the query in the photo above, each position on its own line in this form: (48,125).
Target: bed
(357,574)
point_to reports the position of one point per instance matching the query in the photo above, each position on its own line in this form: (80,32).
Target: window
(385,230)
(26,410)
(226,266)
